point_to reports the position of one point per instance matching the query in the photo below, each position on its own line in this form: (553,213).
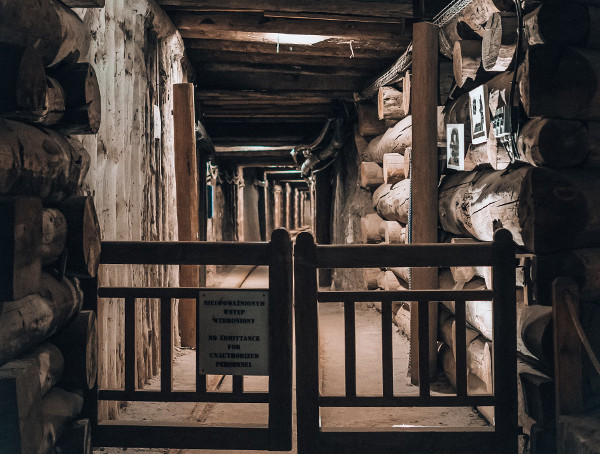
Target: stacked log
(499,41)
(392,201)
(466,60)
(393,168)
(371,174)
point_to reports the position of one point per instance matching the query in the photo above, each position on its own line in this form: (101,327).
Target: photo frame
(455,146)
(480,114)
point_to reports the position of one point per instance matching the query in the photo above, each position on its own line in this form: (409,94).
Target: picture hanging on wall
(455,146)
(480,114)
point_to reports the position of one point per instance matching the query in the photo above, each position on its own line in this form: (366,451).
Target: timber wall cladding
(138,58)
(548,200)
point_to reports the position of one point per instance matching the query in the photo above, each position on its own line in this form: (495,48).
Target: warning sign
(233,336)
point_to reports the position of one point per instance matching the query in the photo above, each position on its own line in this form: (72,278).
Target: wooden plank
(404,295)
(251,97)
(348,7)
(350,348)
(505,342)
(424,175)
(178,436)
(166,345)
(414,440)
(407,401)
(423,328)
(387,355)
(361,49)
(416,255)
(567,348)
(130,332)
(228,25)
(183,396)
(307,343)
(186,178)
(238,385)
(461,347)
(280,342)
(183,253)
(160,292)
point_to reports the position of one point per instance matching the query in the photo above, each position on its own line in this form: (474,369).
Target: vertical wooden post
(240,204)
(278,207)
(567,352)
(504,312)
(307,344)
(424,178)
(289,208)
(280,345)
(322,219)
(268,209)
(186,180)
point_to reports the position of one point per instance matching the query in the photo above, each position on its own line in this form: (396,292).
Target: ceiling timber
(267,71)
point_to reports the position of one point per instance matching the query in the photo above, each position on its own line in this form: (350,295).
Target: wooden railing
(277,434)
(502,438)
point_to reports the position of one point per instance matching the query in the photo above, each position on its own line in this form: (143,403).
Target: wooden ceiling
(256,88)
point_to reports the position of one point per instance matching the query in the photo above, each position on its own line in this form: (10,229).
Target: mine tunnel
(353,226)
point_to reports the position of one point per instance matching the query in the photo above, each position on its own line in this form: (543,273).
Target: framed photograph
(455,146)
(480,114)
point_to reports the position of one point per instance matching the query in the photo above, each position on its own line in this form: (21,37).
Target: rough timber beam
(337,7)
(227,26)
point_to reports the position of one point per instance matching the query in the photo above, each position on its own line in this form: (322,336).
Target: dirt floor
(331,332)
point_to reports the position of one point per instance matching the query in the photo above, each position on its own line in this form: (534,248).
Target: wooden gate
(277,434)
(312,438)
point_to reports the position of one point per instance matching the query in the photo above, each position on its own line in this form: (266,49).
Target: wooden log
(51,27)
(499,41)
(478,313)
(388,281)
(464,274)
(588,183)
(542,209)
(371,174)
(84,4)
(402,319)
(59,408)
(372,228)
(38,162)
(361,144)
(552,23)
(547,142)
(401,273)
(534,329)
(392,201)
(83,109)
(83,241)
(407,163)
(390,104)
(474,384)
(370,277)
(469,23)
(78,343)
(368,122)
(76,438)
(54,235)
(34,318)
(394,233)
(545,73)
(395,140)
(20,244)
(26,93)
(48,364)
(21,420)
(466,60)
(582,265)
(447,329)
(393,168)
(406,90)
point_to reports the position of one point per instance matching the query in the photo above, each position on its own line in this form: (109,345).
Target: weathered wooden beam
(347,7)
(424,176)
(250,97)
(187,200)
(334,48)
(228,25)
(263,134)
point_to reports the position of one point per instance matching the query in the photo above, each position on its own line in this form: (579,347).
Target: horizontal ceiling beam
(264,134)
(198,56)
(252,98)
(228,26)
(399,8)
(282,69)
(358,49)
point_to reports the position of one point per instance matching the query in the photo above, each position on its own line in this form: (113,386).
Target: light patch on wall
(157,123)
(288,38)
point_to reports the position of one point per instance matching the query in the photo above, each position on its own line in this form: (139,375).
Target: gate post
(307,343)
(280,341)
(504,312)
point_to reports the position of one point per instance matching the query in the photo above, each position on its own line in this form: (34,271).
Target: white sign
(455,146)
(480,114)
(233,336)
(157,123)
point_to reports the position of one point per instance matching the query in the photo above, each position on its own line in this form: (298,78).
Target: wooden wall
(138,58)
